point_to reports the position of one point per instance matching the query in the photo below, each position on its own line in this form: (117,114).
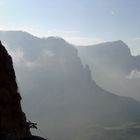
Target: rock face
(113,61)
(12,119)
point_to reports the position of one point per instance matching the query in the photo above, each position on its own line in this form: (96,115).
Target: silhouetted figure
(31,125)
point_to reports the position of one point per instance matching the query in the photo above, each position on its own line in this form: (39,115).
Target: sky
(80,22)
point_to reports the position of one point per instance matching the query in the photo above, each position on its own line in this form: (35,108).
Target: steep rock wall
(12,119)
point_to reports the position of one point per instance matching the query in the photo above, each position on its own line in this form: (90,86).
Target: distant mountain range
(113,67)
(60,93)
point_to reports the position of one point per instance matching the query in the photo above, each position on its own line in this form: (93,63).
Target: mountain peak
(119,42)
(55,38)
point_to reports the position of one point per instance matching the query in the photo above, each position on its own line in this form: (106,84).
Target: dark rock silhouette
(33,138)
(12,119)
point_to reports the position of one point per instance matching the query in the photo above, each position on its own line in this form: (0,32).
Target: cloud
(49,53)
(84,40)
(136,39)
(134,74)
(19,58)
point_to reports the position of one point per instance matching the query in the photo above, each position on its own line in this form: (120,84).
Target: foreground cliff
(12,119)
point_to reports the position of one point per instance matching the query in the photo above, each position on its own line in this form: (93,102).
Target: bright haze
(59,93)
(80,22)
(82,83)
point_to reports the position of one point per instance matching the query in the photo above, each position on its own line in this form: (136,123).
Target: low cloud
(134,74)
(84,40)
(136,39)
(19,57)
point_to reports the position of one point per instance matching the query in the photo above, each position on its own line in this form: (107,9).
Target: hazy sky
(78,21)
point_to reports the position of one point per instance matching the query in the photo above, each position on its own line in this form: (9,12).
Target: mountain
(12,119)
(13,123)
(59,92)
(114,62)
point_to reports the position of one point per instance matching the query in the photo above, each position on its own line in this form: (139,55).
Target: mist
(60,93)
(113,67)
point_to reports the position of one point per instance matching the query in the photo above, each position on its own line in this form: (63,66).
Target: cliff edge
(12,118)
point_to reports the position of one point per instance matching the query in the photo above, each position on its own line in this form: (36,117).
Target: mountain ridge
(60,93)
(113,61)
